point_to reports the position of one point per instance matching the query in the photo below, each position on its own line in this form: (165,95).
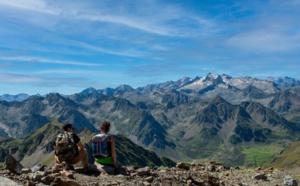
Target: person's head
(67,127)
(105,127)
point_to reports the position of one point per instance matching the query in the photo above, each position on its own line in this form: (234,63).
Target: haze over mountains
(213,117)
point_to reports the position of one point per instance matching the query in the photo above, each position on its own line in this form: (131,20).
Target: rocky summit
(205,174)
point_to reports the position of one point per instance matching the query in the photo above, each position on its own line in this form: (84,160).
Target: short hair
(66,126)
(105,126)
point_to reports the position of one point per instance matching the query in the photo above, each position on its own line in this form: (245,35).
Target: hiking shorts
(105,161)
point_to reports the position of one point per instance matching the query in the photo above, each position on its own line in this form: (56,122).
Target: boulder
(13,165)
(182,165)
(105,168)
(288,180)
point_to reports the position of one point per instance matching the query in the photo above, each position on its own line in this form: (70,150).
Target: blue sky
(66,46)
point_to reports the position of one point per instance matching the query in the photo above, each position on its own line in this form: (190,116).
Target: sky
(67,46)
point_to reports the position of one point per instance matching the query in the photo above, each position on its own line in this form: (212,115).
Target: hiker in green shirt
(104,146)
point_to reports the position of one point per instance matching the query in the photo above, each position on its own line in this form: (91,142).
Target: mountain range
(215,117)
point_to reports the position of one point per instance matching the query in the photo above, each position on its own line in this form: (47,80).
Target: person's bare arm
(80,146)
(111,139)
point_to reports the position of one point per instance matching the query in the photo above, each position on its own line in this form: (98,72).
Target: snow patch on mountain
(225,81)
(202,82)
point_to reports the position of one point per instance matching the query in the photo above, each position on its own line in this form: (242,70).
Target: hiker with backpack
(68,148)
(103,146)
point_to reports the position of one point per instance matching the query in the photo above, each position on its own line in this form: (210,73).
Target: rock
(133,174)
(260,177)
(288,180)
(130,168)
(56,168)
(48,179)
(197,181)
(105,168)
(7,182)
(225,168)
(38,167)
(67,174)
(67,183)
(211,168)
(26,171)
(143,171)
(13,165)
(258,169)
(162,171)
(146,183)
(148,179)
(37,176)
(182,165)
(150,176)
(189,183)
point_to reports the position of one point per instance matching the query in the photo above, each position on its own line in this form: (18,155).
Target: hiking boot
(120,170)
(91,168)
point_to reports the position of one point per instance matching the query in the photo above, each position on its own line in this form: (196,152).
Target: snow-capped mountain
(226,81)
(208,86)
(207,81)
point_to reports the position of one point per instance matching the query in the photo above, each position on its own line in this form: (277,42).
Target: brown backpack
(65,147)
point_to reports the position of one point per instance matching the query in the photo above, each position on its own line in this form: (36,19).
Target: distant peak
(226,76)
(124,87)
(89,90)
(212,76)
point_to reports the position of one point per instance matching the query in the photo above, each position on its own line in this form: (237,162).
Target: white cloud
(45,60)
(90,73)
(265,41)
(30,5)
(127,52)
(18,78)
(158,18)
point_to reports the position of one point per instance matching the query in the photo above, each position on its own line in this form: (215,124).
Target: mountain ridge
(223,115)
(283,82)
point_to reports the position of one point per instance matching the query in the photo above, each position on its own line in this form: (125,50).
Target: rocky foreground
(208,174)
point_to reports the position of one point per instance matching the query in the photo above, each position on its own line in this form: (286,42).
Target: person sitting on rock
(80,153)
(103,146)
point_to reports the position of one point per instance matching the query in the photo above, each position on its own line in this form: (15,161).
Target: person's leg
(82,156)
(57,162)
(85,159)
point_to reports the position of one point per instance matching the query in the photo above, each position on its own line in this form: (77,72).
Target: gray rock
(143,171)
(7,182)
(182,165)
(37,176)
(260,177)
(38,167)
(13,165)
(211,168)
(105,168)
(288,180)
(148,179)
(25,171)
(48,179)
